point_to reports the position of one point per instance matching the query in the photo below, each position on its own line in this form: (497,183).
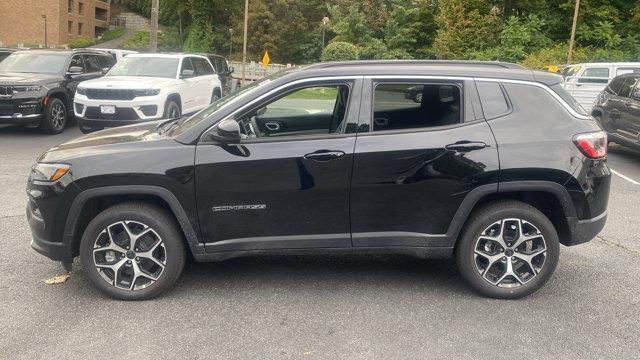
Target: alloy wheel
(129,255)
(510,253)
(57,116)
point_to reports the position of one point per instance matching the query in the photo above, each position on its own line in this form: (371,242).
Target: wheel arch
(62,95)
(177,98)
(90,202)
(552,199)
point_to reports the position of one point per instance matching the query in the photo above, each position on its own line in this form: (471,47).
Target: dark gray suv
(618,110)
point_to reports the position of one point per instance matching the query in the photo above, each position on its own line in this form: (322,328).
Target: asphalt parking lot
(318,307)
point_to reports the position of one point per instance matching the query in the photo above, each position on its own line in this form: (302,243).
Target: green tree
(340,51)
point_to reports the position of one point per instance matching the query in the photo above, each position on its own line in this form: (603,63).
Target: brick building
(23,22)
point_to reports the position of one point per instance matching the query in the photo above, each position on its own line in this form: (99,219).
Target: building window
(80,8)
(79,28)
(69,27)
(70,6)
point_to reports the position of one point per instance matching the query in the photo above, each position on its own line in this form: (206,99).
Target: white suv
(144,87)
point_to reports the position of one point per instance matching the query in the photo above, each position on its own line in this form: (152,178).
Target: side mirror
(186,73)
(75,70)
(227,132)
(105,70)
(636,95)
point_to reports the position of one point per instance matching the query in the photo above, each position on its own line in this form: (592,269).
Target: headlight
(82,91)
(147,92)
(49,172)
(26,88)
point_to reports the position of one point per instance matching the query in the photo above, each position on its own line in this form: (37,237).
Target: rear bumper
(583,231)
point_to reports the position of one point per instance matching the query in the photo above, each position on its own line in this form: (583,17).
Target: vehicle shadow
(625,152)
(310,272)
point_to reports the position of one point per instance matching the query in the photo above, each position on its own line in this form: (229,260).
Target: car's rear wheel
(507,250)
(172,110)
(55,117)
(132,251)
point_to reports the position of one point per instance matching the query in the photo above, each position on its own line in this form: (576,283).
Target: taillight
(593,144)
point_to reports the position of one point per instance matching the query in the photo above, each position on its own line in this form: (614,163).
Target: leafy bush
(167,41)
(113,34)
(80,43)
(340,51)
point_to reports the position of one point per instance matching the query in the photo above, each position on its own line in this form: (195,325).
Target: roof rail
(504,65)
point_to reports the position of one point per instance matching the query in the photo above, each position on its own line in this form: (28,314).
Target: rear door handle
(324,155)
(465,146)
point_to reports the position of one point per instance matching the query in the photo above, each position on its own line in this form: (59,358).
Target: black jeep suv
(496,164)
(37,86)
(618,110)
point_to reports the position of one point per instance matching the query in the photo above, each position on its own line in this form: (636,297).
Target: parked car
(224,71)
(589,80)
(144,87)
(37,86)
(618,110)
(4,53)
(333,158)
(117,54)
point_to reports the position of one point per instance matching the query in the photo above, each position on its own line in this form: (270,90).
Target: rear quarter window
(564,95)
(493,99)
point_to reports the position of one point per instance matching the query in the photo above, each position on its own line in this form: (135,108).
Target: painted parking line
(625,177)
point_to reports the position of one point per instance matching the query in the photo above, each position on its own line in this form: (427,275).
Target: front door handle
(324,155)
(466,146)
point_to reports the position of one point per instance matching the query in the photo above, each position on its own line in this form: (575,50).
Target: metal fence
(256,71)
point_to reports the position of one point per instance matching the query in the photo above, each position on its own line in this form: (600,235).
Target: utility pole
(573,32)
(244,41)
(153,31)
(45,30)
(325,22)
(230,42)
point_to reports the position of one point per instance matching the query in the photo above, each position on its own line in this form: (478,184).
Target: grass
(316,93)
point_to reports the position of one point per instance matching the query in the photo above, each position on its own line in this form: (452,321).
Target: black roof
(482,69)
(65,51)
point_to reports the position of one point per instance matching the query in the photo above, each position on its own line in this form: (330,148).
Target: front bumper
(57,251)
(24,111)
(128,112)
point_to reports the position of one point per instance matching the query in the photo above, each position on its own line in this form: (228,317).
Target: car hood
(10,78)
(111,141)
(126,82)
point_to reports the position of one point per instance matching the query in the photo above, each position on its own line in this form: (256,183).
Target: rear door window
(493,99)
(401,106)
(595,76)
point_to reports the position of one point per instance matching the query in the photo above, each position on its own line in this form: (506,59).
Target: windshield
(186,123)
(145,66)
(25,62)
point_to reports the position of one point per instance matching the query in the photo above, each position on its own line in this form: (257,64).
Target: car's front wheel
(507,250)
(55,117)
(172,110)
(132,251)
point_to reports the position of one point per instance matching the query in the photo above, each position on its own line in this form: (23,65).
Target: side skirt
(419,252)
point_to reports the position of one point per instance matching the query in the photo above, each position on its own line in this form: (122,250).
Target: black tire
(55,117)
(482,219)
(156,219)
(171,110)
(215,96)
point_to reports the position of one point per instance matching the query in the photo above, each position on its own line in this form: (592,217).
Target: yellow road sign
(266,60)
